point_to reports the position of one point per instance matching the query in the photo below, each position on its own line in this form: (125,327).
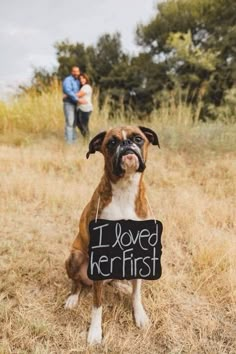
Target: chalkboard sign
(125,249)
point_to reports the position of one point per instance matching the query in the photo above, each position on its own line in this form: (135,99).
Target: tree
(106,54)
(189,45)
(68,55)
(198,41)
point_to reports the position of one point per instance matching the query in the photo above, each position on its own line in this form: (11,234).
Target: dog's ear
(95,144)
(150,135)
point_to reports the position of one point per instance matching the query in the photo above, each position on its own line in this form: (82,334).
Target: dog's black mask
(126,147)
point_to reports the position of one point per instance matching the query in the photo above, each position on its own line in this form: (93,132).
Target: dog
(119,195)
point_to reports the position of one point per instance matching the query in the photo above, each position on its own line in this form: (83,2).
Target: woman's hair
(85,76)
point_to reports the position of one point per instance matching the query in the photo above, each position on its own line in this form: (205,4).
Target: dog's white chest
(122,205)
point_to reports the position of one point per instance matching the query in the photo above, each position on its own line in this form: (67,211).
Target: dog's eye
(137,139)
(112,143)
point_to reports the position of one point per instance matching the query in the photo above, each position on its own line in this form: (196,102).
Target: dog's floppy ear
(95,144)
(150,135)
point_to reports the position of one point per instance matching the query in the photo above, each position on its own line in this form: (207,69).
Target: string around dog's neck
(98,203)
(149,206)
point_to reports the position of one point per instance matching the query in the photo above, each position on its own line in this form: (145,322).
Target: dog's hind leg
(73,267)
(73,299)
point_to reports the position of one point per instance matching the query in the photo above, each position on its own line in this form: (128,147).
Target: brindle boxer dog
(121,192)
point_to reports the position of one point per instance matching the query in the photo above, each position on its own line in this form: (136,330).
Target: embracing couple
(77,102)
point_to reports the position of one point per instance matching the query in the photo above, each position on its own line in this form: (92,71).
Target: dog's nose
(126,142)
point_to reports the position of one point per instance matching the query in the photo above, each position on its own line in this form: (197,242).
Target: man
(71,86)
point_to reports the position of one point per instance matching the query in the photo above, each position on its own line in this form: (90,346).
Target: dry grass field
(44,185)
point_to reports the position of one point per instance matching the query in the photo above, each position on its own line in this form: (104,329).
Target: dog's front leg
(141,318)
(95,329)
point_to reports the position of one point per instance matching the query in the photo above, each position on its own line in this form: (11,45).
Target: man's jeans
(70,121)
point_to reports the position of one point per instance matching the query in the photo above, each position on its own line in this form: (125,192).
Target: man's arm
(80,96)
(82,101)
(68,90)
(81,93)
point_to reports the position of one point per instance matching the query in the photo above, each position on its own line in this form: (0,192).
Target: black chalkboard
(125,249)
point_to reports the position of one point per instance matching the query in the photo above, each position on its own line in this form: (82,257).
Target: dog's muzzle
(127,147)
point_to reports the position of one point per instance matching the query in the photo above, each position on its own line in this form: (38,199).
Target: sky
(28,30)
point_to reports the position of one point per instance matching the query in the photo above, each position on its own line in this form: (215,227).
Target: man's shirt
(70,87)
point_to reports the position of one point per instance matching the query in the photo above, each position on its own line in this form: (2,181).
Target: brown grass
(191,181)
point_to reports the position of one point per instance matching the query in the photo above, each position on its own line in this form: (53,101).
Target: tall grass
(32,115)
(31,112)
(41,113)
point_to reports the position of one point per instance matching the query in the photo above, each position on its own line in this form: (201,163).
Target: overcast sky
(28,30)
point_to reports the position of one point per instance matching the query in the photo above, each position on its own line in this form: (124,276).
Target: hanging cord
(96,218)
(151,210)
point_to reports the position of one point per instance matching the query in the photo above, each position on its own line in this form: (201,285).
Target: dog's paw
(94,335)
(72,301)
(141,318)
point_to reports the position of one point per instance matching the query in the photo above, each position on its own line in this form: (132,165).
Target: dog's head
(124,149)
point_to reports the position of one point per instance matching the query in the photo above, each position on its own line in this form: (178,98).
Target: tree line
(188,47)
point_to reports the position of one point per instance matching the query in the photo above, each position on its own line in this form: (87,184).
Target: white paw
(72,301)
(141,318)
(94,335)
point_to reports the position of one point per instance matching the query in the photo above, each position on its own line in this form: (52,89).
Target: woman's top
(86,107)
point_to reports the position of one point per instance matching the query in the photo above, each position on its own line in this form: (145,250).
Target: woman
(85,107)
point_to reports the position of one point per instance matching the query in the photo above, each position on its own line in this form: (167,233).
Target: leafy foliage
(188,45)
(198,40)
